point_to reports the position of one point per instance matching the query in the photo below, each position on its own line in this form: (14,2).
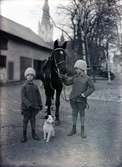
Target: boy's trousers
(32,120)
(78,107)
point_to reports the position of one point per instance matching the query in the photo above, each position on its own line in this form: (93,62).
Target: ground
(101,148)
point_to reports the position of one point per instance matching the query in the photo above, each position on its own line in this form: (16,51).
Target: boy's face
(79,71)
(30,77)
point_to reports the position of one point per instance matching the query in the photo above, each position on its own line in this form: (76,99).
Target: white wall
(17,49)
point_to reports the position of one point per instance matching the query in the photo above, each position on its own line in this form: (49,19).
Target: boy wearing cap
(31,103)
(82,87)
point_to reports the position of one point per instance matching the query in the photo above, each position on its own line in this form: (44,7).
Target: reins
(63,94)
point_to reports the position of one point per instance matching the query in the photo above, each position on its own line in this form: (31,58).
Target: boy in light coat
(82,87)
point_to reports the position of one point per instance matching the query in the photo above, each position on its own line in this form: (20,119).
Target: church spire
(46,13)
(62,39)
(45,28)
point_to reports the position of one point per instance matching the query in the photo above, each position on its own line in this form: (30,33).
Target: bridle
(57,63)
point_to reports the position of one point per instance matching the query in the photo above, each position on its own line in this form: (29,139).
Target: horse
(51,72)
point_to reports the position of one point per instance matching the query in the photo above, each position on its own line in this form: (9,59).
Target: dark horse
(51,72)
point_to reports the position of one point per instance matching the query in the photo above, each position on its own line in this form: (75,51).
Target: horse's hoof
(57,122)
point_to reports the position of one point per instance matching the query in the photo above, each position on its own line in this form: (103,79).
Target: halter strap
(56,64)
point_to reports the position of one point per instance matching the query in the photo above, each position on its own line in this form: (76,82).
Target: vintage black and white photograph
(61,83)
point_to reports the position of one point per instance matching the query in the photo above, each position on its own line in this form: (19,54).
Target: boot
(73,131)
(82,132)
(34,135)
(57,122)
(24,139)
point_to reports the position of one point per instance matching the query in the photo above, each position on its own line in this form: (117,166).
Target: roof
(21,31)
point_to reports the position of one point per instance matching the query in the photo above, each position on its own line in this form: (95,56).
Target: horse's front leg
(57,104)
(48,103)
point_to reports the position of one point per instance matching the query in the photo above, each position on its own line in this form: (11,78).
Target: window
(2,61)
(3,43)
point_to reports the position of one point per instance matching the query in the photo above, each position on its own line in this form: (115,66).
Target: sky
(29,12)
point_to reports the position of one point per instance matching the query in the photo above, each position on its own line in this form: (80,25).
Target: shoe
(83,135)
(73,131)
(24,139)
(57,122)
(34,135)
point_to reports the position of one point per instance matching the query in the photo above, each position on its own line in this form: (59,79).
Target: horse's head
(58,57)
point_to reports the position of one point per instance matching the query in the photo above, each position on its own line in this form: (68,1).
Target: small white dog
(48,128)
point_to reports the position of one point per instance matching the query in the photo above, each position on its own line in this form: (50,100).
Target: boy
(81,89)
(31,103)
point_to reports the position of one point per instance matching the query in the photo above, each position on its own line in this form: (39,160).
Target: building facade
(20,48)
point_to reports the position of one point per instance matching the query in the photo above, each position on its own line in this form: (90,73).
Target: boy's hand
(82,95)
(63,77)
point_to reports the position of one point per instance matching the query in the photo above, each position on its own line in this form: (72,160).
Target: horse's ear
(56,44)
(64,45)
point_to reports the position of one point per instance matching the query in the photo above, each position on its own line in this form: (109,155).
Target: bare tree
(94,24)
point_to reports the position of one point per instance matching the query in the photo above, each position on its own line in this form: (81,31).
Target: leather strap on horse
(56,64)
(64,94)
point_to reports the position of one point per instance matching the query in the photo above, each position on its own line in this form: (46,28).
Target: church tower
(62,39)
(45,28)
